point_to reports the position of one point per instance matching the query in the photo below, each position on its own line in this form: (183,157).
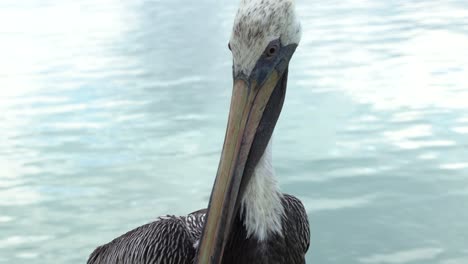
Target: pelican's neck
(261,207)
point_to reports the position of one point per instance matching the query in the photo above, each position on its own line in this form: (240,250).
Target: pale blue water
(113,112)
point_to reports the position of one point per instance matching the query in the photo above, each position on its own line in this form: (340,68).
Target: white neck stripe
(262,208)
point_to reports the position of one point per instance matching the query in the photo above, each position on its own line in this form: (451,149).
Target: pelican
(248,220)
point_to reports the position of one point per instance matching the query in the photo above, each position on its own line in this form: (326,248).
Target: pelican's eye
(272,49)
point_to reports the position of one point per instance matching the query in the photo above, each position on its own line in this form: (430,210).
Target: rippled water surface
(113,112)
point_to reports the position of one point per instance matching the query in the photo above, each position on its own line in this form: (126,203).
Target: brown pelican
(248,219)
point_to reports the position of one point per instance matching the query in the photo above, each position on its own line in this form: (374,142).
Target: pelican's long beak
(255,106)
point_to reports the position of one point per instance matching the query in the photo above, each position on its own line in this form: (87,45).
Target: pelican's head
(264,38)
(260,27)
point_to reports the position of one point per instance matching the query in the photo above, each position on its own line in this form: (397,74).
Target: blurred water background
(113,112)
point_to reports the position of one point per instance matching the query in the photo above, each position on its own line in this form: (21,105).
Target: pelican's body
(248,219)
(174,239)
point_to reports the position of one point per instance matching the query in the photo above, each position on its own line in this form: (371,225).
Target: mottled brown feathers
(173,240)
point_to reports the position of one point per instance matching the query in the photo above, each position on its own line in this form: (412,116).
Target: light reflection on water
(113,112)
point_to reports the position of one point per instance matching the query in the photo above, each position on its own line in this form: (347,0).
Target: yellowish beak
(248,103)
